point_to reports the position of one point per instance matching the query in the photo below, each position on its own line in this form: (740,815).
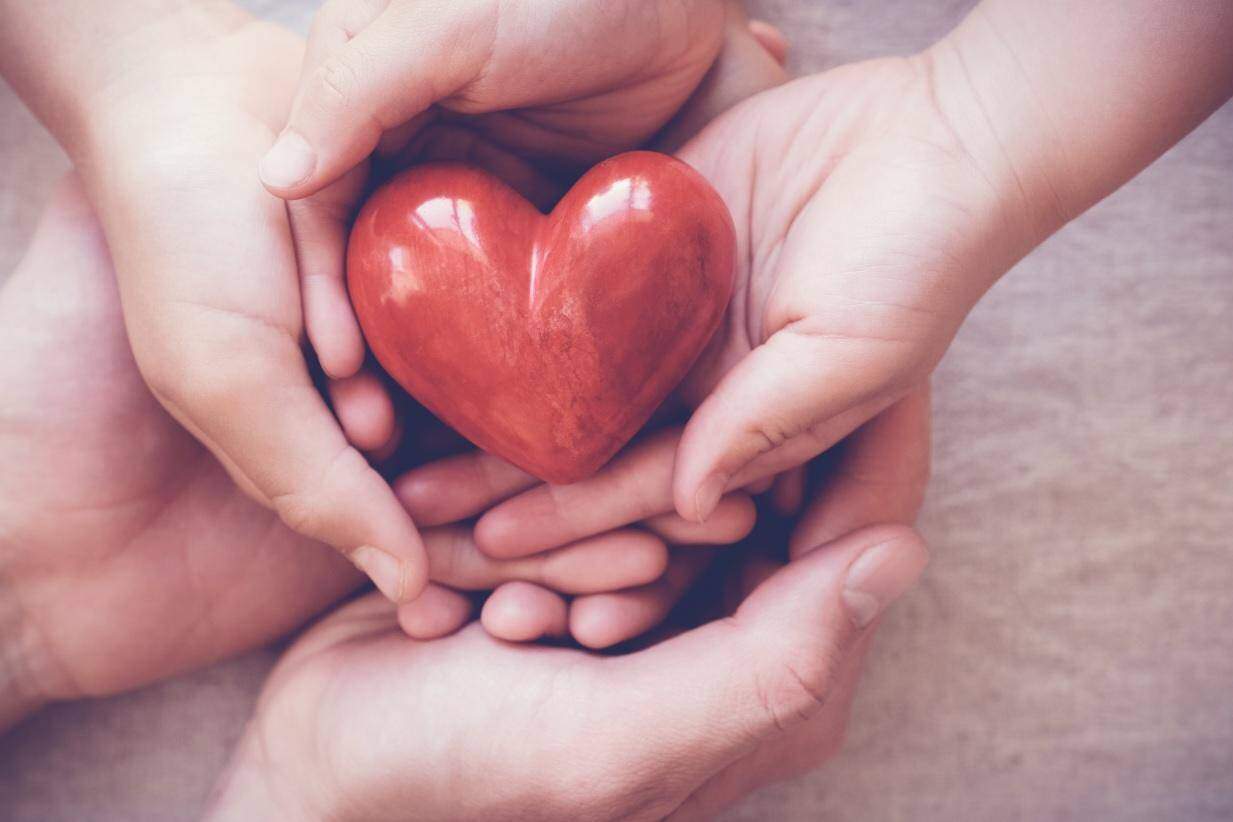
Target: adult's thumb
(739,681)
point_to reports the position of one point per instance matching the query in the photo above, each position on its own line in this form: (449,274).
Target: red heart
(547,340)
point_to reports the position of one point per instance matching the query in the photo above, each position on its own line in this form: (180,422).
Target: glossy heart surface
(546,340)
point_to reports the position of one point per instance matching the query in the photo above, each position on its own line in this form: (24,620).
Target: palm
(473,710)
(130,553)
(467,705)
(847,226)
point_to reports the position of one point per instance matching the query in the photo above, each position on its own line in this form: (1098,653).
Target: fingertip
(495,532)
(593,622)
(336,339)
(696,502)
(365,410)
(771,38)
(399,567)
(653,559)
(418,491)
(524,612)
(391,446)
(287,168)
(438,611)
(883,572)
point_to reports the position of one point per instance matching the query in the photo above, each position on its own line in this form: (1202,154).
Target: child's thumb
(353,90)
(794,388)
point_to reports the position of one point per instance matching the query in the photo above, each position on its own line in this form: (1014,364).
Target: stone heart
(547,340)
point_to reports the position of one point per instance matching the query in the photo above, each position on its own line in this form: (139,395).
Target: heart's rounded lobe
(547,340)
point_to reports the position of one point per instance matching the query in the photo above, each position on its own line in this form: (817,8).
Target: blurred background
(1069,655)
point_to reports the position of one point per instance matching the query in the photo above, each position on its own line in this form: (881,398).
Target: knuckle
(768,433)
(336,82)
(795,689)
(312,507)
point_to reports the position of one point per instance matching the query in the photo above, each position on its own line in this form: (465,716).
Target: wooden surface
(1070,653)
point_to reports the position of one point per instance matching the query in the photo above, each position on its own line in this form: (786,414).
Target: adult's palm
(210,282)
(361,722)
(128,552)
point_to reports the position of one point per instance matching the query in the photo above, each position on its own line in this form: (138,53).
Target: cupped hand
(867,229)
(126,552)
(211,291)
(361,722)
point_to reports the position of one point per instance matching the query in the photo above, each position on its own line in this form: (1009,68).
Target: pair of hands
(129,554)
(809,332)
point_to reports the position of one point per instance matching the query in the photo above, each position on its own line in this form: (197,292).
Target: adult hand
(126,552)
(361,722)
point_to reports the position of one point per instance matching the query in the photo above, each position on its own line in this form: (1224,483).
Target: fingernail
(289,161)
(386,571)
(879,577)
(707,496)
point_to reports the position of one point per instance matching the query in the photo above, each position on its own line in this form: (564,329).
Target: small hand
(865,234)
(211,293)
(867,231)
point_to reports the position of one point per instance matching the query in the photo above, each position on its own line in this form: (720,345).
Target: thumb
(355,87)
(799,389)
(771,666)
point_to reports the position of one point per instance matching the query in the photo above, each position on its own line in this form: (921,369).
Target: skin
(411,80)
(875,204)
(714,775)
(882,199)
(764,682)
(128,554)
(219,340)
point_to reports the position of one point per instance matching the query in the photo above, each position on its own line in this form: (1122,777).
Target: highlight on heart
(523,409)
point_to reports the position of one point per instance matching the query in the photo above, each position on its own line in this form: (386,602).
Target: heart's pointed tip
(565,476)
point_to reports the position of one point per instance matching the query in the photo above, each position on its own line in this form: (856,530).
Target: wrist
(102,52)
(988,102)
